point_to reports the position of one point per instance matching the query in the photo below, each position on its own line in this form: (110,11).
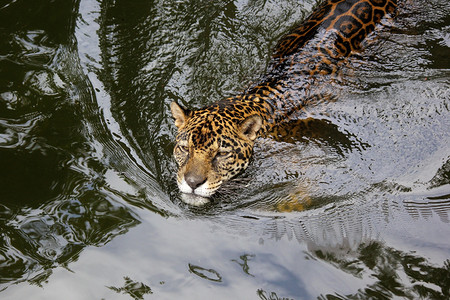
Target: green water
(89,207)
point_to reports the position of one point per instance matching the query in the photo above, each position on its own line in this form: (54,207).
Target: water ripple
(15,133)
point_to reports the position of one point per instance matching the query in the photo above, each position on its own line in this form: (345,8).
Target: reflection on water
(136,290)
(352,205)
(208,274)
(54,201)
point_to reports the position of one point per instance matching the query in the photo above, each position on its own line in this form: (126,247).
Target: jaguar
(215,143)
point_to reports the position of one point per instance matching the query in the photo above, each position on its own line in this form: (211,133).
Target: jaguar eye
(223,153)
(184,148)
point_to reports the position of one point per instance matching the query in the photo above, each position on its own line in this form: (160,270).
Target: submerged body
(215,143)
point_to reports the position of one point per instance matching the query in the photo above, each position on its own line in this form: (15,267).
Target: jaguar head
(213,145)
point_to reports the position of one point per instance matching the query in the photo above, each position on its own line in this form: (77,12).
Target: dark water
(89,207)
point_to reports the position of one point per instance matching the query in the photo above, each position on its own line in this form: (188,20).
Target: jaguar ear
(250,127)
(179,113)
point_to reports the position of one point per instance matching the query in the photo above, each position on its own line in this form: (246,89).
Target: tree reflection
(136,290)
(389,267)
(54,201)
(54,234)
(244,264)
(346,241)
(208,274)
(263,295)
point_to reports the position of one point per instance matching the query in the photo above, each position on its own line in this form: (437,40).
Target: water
(357,207)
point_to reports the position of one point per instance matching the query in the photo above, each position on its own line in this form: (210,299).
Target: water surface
(356,206)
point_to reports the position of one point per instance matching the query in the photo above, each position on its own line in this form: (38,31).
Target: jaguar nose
(194,180)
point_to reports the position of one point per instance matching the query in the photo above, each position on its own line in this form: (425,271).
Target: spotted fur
(215,143)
